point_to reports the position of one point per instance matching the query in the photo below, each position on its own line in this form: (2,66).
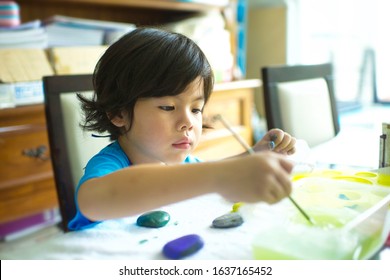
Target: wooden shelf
(139,12)
(147,4)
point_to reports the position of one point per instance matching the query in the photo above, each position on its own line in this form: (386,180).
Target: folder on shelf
(75,60)
(21,72)
(22,65)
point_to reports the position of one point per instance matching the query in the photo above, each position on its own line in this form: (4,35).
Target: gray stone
(229,220)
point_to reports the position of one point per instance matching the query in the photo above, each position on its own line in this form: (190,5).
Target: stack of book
(27,35)
(71,31)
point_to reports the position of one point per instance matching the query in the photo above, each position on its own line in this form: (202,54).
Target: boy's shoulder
(112,152)
(192,159)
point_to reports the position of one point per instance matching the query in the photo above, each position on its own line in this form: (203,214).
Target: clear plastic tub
(352,220)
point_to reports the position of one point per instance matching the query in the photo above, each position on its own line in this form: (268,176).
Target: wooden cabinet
(26,177)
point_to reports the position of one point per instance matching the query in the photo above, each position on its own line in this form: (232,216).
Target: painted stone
(228,220)
(153,219)
(183,246)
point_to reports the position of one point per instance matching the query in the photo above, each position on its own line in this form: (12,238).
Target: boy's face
(165,129)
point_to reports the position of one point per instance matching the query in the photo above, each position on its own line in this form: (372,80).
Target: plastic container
(352,219)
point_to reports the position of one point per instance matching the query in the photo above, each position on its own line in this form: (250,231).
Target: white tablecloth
(123,239)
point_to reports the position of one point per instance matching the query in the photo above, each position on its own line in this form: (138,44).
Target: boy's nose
(185,122)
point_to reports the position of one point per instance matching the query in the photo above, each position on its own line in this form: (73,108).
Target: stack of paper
(27,35)
(71,31)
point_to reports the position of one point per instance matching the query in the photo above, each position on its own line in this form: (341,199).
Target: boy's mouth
(183,144)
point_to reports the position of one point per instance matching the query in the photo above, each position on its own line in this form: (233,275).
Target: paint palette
(364,177)
(350,210)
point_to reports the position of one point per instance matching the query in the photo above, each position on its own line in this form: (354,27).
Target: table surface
(123,239)
(357,144)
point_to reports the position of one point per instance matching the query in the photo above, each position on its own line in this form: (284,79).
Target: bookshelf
(138,12)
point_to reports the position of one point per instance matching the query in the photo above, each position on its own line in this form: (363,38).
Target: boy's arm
(133,190)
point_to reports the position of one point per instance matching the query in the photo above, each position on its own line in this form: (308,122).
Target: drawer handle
(38,152)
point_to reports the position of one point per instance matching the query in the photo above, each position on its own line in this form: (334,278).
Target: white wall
(338,31)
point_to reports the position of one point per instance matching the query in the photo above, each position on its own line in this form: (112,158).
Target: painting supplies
(251,151)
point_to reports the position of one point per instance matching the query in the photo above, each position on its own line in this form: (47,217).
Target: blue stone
(183,246)
(153,219)
(343,196)
(228,220)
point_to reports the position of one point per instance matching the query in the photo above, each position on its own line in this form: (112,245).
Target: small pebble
(228,220)
(343,196)
(153,219)
(183,246)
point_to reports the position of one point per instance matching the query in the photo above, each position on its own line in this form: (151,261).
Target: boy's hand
(284,142)
(264,176)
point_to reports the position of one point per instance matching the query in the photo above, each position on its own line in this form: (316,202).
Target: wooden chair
(300,100)
(70,147)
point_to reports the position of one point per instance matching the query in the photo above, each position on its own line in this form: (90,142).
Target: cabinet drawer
(27,199)
(20,160)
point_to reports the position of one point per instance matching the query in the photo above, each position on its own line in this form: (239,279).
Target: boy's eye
(197,111)
(167,108)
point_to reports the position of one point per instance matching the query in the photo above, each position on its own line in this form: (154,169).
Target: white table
(357,144)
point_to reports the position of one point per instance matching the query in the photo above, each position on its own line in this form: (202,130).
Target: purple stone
(183,246)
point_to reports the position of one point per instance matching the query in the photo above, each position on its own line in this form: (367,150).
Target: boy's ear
(118,120)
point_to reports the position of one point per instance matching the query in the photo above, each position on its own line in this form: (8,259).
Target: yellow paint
(236,206)
(384,179)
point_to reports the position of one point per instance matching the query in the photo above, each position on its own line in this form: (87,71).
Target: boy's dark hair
(146,62)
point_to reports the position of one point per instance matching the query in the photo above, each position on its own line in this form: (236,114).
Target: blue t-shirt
(109,159)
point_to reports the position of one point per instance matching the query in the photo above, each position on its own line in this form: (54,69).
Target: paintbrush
(271,146)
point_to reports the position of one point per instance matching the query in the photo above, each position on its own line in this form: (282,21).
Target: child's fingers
(284,143)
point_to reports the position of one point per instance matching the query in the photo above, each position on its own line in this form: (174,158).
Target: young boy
(150,90)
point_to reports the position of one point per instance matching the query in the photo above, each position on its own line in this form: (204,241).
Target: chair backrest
(300,100)
(70,147)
